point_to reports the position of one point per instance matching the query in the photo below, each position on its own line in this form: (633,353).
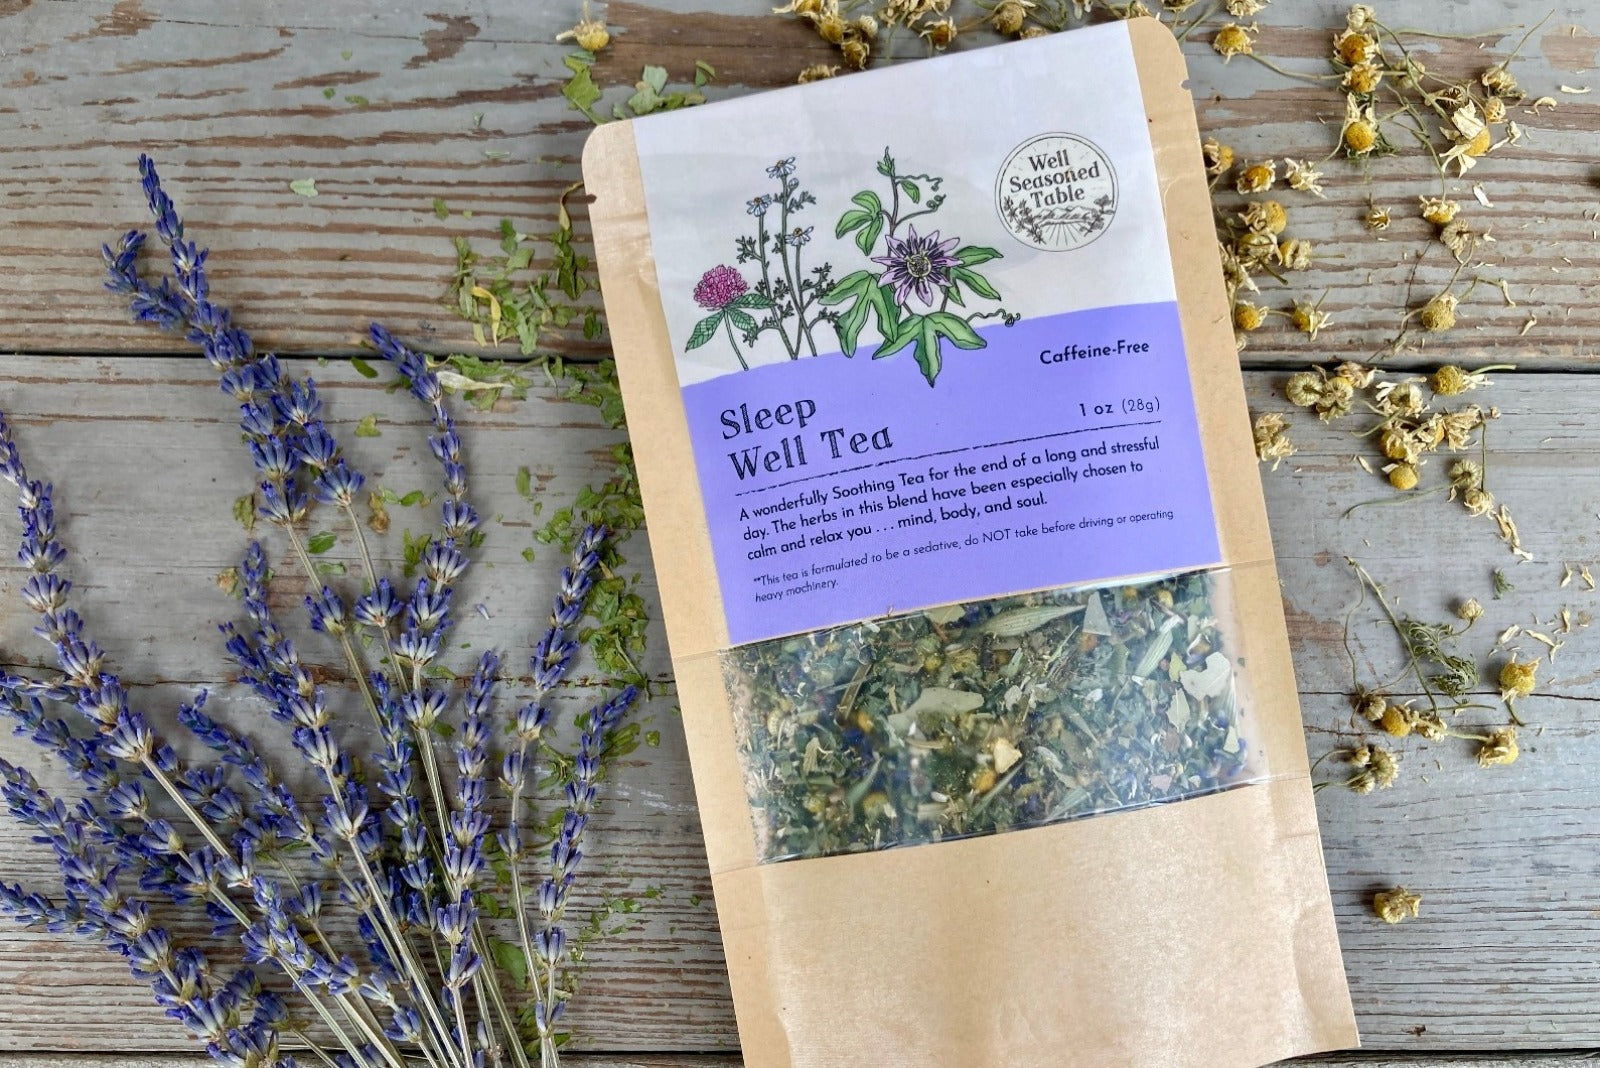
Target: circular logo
(1056,192)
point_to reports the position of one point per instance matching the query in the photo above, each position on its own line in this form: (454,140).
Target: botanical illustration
(923,277)
(787,293)
(989,716)
(910,295)
(1066,226)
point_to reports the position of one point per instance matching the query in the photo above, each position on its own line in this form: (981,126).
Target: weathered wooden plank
(728,1060)
(1502,957)
(234,106)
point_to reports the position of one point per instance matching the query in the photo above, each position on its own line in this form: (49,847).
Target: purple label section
(1064,451)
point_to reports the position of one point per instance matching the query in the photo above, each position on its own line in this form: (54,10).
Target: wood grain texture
(724,1060)
(1502,957)
(465,105)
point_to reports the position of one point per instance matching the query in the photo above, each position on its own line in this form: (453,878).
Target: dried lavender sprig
(551,657)
(567,850)
(178,978)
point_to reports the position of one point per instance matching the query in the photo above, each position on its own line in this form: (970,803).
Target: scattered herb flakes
(986,716)
(321,542)
(1502,584)
(496,153)
(363,368)
(412,548)
(580,89)
(525,483)
(328,93)
(346,54)
(357,100)
(228,581)
(377,514)
(440,211)
(244,511)
(368,427)
(528,554)
(305,187)
(330,567)
(652,739)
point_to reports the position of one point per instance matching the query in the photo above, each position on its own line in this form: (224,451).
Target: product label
(927,358)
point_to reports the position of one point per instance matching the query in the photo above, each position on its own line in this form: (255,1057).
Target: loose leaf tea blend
(965,567)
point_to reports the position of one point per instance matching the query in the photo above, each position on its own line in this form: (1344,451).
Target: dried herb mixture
(989,716)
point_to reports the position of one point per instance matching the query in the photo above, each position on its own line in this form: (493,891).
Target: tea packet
(965,567)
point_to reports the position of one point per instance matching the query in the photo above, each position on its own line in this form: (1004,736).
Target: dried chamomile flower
(1030,32)
(1256,248)
(1295,253)
(1248,317)
(1398,398)
(1450,380)
(1377,218)
(1397,720)
(1010,15)
(1258,177)
(1465,475)
(1233,40)
(1459,238)
(1438,210)
(817,72)
(1359,17)
(1470,610)
(856,52)
(1363,78)
(1330,397)
(1308,318)
(866,26)
(1499,748)
(1431,726)
(1500,81)
(1518,678)
(1439,314)
(1358,375)
(941,33)
(1393,906)
(1384,765)
(589,34)
(1243,9)
(1265,216)
(1370,705)
(1303,175)
(1459,425)
(1218,156)
(1470,135)
(1360,133)
(1478,501)
(1234,273)
(1352,47)
(1272,438)
(1134,10)
(1402,477)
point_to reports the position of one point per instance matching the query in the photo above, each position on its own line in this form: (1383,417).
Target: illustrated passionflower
(719,287)
(919,264)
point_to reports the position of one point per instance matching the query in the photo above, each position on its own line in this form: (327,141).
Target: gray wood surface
(231,100)
(724,1060)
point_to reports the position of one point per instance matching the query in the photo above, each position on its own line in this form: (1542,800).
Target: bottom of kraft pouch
(1192,935)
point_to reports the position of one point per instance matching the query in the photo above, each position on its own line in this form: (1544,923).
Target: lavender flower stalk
(404,856)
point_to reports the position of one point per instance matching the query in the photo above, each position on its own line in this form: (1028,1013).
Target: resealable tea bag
(965,567)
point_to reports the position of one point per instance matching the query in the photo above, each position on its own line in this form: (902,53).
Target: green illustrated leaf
(972,255)
(851,220)
(886,164)
(910,330)
(861,288)
(321,542)
(913,190)
(953,294)
(742,320)
(869,202)
(975,282)
(869,235)
(704,331)
(751,299)
(957,329)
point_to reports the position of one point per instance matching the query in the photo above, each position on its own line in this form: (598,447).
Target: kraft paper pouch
(965,567)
